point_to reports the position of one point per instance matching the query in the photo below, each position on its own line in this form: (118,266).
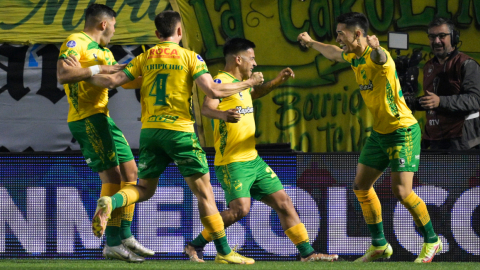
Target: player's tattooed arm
(378,56)
(210,110)
(262,90)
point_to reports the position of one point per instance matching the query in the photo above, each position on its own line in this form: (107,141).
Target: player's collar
(229,75)
(93,44)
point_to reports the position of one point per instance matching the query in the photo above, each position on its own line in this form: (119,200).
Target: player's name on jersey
(165,66)
(163,118)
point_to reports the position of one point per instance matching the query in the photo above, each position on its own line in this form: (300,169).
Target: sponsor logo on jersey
(217,81)
(71,44)
(163,53)
(244,111)
(199,57)
(368,86)
(163,118)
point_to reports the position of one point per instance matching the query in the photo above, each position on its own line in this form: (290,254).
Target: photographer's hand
(429,101)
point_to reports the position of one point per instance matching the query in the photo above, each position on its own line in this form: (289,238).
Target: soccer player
(395,139)
(103,145)
(241,171)
(167,134)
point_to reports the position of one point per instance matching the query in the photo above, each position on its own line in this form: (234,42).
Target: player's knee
(241,211)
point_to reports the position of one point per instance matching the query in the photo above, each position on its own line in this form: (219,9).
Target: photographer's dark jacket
(456,121)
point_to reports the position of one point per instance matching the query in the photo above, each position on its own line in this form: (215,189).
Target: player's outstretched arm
(109,80)
(263,89)
(210,110)
(331,52)
(69,70)
(214,90)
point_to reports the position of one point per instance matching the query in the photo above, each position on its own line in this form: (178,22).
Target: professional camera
(407,68)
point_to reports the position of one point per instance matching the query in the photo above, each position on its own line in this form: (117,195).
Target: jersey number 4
(159,89)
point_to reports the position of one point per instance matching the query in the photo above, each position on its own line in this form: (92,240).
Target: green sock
(376,231)
(222,246)
(200,241)
(429,236)
(305,249)
(112,234)
(125,231)
(117,201)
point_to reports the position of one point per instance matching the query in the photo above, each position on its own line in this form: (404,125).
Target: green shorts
(247,179)
(159,147)
(399,150)
(101,141)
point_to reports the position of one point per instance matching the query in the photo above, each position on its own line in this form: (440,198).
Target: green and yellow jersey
(168,72)
(381,91)
(234,142)
(86,99)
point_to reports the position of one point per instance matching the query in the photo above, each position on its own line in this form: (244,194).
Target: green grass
(183,264)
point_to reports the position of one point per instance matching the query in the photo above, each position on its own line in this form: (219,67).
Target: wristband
(95,69)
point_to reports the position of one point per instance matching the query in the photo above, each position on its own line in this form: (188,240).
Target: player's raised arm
(210,110)
(378,56)
(331,52)
(214,90)
(263,89)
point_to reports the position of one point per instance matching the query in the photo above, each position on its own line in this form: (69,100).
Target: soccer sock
(299,236)
(112,232)
(215,226)
(126,214)
(202,239)
(372,212)
(126,196)
(418,209)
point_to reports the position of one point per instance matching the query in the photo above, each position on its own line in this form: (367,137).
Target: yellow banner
(321,110)
(51,21)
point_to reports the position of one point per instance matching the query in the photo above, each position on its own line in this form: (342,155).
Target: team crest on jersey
(217,81)
(199,57)
(71,44)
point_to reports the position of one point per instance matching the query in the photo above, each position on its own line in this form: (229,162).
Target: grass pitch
(184,264)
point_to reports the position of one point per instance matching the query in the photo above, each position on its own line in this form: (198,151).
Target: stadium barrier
(48,200)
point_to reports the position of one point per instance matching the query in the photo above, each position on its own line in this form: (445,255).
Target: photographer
(451,81)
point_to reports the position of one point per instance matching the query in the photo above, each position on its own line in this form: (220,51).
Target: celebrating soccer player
(241,171)
(103,145)
(167,133)
(395,139)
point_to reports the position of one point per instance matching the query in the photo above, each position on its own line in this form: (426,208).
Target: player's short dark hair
(166,22)
(236,45)
(354,19)
(98,10)
(441,21)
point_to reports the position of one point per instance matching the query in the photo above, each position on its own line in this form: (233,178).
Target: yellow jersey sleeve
(134,69)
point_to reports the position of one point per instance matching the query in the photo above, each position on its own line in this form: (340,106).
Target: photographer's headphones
(454,38)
